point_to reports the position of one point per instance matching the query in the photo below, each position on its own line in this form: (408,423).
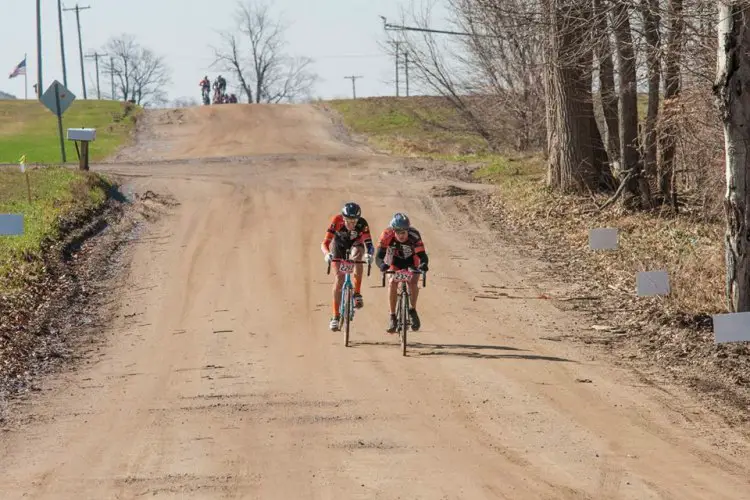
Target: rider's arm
(419,248)
(383,244)
(366,238)
(325,246)
(380,256)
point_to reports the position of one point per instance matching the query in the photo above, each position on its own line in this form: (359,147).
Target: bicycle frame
(346,304)
(403,277)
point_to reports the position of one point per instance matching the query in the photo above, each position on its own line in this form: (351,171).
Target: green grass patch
(423,126)
(56,192)
(28,127)
(430,127)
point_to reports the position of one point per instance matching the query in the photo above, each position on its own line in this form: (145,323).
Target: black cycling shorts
(339,249)
(403,263)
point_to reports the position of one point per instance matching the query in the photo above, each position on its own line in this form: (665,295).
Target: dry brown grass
(689,246)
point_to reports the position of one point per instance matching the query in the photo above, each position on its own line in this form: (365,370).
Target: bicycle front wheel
(404,326)
(347,314)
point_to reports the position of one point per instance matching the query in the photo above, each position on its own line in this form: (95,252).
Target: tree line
(641,101)
(252,51)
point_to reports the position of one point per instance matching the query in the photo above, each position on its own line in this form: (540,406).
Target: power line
(77,10)
(353,78)
(395,27)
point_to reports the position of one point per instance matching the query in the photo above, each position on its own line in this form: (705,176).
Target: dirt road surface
(220,379)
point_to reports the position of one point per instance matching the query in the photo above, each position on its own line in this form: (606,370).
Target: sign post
(22,162)
(58,99)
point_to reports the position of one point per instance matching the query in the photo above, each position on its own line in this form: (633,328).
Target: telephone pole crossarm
(353,78)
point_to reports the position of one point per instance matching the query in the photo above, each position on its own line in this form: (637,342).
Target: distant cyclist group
(400,247)
(220,91)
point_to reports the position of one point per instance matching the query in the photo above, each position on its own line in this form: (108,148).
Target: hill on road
(217,376)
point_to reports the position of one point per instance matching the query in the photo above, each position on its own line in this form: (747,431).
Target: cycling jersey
(343,239)
(399,255)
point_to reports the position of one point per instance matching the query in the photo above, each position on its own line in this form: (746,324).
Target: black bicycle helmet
(400,221)
(352,210)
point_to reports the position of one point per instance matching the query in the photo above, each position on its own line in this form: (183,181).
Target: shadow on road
(463,350)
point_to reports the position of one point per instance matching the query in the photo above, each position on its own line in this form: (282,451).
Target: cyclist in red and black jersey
(347,230)
(401,247)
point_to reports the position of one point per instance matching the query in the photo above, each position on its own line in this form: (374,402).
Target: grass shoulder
(58,195)
(28,128)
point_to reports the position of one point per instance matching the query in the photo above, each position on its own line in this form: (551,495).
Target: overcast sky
(342,36)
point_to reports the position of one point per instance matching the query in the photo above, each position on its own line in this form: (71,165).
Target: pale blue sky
(332,32)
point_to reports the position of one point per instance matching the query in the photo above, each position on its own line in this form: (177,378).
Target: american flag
(19,70)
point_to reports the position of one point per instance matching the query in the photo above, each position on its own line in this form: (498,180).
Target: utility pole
(38,49)
(77,9)
(112,76)
(396,44)
(96,55)
(406,70)
(62,42)
(353,78)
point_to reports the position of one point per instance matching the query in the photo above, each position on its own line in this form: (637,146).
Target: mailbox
(81,134)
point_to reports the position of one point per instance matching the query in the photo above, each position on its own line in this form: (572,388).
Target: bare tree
(671,94)
(634,179)
(253,52)
(490,74)
(651,21)
(733,70)
(506,47)
(435,72)
(575,163)
(609,98)
(140,75)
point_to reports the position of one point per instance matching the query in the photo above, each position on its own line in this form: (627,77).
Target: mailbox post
(82,136)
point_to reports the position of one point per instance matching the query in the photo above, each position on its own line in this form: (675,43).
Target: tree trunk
(651,20)
(733,100)
(576,169)
(631,161)
(603,59)
(601,157)
(550,114)
(668,130)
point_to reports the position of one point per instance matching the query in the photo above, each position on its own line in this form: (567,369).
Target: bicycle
(404,277)
(346,307)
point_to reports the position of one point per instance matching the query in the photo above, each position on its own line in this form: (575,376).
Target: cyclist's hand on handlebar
(368,259)
(423,267)
(328,258)
(384,267)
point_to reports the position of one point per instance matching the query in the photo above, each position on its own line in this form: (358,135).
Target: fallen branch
(618,193)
